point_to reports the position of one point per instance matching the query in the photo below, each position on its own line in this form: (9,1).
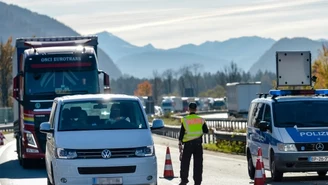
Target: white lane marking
(3,148)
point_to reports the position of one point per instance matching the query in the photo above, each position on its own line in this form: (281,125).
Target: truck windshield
(105,115)
(301,113)
(61,74)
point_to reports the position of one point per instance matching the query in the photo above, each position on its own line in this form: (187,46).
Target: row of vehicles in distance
(290,126)
(173,104)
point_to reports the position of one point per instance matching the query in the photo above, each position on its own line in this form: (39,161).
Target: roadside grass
(168,120)
(7,132)
(225,146)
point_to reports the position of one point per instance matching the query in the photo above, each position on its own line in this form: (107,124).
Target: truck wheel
(19,151)
(275,174)
(26,163)
(251,168)
(322,174)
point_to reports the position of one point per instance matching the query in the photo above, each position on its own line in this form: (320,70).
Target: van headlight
(66,153)
(145,151)
(287,147)
(30,139)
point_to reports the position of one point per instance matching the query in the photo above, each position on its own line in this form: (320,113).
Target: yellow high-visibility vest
(193,125)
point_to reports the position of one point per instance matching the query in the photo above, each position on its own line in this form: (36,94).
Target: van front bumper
(300,162)
(133,171)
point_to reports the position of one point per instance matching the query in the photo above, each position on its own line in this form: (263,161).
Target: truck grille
(96,153)
(41,138)
(310,146)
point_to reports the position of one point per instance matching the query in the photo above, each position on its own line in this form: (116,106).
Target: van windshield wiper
(45,93)
(292,124)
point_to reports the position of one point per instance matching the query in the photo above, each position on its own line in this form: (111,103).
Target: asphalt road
(219,169)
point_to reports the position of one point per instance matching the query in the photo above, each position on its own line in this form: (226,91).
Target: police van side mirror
(264,126)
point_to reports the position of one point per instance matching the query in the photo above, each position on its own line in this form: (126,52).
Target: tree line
(175,81)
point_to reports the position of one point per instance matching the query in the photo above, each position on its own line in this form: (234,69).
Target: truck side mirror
(16,87)
(106,82)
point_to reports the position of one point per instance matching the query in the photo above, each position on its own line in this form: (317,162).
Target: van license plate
(108,181)
(319,159)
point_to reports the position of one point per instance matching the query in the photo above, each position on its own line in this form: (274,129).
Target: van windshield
(101,115)
(301,113)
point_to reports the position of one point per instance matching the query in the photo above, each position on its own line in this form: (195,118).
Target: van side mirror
(157,124)
(45,128)
(264,126)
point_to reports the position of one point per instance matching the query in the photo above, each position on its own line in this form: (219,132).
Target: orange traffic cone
(259,154)
(258,179)
(168,168)
(2,137)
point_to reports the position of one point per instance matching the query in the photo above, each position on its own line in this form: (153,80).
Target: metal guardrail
(222,124)
(212,137)
(7,127)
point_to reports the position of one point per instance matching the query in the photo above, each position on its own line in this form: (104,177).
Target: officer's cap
(192,105)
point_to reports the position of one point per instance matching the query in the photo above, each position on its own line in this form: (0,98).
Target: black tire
(250,166)
(322,174)
(27,163)
(48,181)
(275,174)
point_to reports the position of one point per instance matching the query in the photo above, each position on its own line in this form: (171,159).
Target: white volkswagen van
(100,139)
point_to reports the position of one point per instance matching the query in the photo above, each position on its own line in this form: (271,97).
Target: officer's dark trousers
(196,149)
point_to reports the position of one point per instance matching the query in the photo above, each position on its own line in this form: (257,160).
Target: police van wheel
(251,168)
(275,174)
(322,173)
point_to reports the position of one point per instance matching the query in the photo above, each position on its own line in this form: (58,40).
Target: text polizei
(61,59)
(314,133)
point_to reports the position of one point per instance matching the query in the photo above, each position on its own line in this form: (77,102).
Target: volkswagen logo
(319,146)
(106,154)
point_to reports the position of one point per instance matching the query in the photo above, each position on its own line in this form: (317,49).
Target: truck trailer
(239,96)
(45,68)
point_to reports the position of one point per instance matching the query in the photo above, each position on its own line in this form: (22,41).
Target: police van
(290,126)
(292,131)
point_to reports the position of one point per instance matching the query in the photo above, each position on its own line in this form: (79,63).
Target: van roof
(291,98)
(84,97)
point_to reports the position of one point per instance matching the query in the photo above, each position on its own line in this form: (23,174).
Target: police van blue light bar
(298,92)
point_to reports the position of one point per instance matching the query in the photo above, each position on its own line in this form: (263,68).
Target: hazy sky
(171,23)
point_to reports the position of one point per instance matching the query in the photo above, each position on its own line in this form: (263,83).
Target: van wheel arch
(276,175)
(250,166)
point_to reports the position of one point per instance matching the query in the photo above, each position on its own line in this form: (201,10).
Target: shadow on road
(12,170)
(306,180)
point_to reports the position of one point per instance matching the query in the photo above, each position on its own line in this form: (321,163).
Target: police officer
(192,129)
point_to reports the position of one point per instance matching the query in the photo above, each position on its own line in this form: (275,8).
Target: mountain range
(117,56)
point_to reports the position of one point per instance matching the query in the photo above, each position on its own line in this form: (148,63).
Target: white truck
(172,104)
(239,96)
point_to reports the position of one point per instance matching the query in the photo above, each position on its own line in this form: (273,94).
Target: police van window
(308,113)
(258,114)
(267,113)
(251,111)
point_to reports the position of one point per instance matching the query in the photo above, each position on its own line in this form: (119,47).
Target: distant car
(219,104)
(100,139)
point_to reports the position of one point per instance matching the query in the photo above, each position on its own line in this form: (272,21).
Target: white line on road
(3,148)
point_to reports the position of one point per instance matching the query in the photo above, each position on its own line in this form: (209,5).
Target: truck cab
(43,69)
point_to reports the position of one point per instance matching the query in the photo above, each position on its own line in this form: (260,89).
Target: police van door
(267,136)
(259,138)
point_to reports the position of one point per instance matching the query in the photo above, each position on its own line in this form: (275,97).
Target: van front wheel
(251,169)
(275,174)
